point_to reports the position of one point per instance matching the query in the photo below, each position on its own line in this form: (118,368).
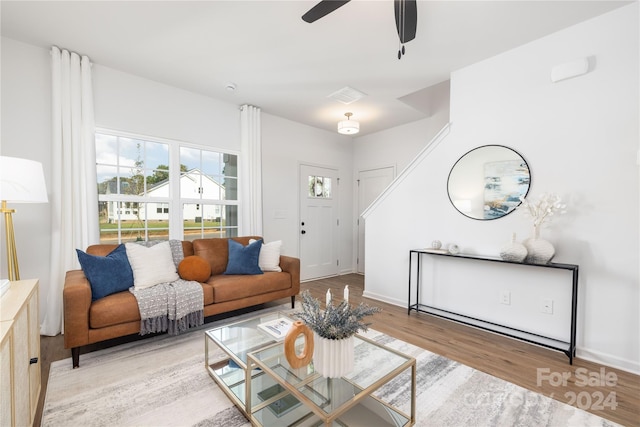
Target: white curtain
(250,171)
(74,201)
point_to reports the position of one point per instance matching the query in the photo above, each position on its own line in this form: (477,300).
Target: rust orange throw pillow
(194,268)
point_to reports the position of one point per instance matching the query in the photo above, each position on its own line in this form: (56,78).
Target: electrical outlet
(505,297)
(547,306)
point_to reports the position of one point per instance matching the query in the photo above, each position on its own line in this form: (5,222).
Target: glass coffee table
(256,376)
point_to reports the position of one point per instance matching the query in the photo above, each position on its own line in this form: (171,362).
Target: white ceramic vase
(539,251)
(513,251)
(332,358)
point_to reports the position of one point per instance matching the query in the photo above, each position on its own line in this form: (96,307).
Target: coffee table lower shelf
(370,412)
(276,405)
(256,377)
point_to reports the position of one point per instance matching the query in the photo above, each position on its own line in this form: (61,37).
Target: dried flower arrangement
(541,210)
(336,321)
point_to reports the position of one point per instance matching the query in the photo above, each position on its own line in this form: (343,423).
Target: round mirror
(488,182)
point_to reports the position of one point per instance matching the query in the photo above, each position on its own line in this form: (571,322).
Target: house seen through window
(152,189)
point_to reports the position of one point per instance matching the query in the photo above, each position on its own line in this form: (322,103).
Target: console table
(568,348)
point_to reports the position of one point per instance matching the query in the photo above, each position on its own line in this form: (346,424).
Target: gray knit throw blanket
(170,307)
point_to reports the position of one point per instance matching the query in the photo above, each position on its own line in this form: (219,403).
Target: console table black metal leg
(574,309)
(409,286)
(418,282)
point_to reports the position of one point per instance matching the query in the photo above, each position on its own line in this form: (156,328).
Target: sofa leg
(75,357)
(293,301)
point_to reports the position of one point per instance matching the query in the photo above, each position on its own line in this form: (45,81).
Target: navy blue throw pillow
(243,259)
(107,274)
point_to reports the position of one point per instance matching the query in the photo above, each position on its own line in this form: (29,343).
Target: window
(209,192)
(138,176)
(319,187)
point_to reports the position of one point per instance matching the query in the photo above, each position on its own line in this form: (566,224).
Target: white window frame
(201,201)
(176,221)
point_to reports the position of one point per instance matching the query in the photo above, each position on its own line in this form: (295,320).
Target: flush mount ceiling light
(348,127)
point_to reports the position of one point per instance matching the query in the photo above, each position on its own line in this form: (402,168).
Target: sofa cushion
(269,259)
(194,268)
(243,259)
(151,265)
(216,251)
(122,307)
(114,310)
(235,287)
(107,274)
(207,293)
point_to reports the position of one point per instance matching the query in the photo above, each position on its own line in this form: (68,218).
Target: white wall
(122,102)
(396,146)
(26,133)
(375,150)
(133,104)
(286,145)
(580,138)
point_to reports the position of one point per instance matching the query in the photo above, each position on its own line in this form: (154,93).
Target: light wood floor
(523,364)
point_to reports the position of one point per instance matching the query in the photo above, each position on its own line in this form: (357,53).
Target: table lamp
(21,181)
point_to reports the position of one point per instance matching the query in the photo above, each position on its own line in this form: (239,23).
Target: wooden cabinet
(6,384)
(20,353)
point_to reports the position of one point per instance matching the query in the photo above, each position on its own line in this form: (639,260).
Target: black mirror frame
(477,148)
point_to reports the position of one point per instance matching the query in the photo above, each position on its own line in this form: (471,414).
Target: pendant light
(348,127)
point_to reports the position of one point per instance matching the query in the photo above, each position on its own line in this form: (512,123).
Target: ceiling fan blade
(321,9)
(406,19)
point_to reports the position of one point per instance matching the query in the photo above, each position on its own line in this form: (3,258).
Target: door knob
(303,232)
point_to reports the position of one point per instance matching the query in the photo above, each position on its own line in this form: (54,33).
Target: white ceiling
(284,65)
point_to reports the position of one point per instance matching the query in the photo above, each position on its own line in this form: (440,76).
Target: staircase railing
(435,141)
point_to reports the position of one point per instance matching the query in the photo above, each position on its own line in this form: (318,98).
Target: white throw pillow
(269,259)
(151,265)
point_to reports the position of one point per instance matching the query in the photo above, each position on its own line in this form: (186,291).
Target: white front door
(318,222)
(371,183)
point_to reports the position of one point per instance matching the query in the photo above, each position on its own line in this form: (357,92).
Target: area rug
(162,381)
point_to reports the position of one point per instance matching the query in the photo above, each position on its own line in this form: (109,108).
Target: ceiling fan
(406,12)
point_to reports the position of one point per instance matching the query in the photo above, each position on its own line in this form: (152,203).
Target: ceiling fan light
(348,127)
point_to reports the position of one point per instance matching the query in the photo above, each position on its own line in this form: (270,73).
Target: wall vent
(347,95)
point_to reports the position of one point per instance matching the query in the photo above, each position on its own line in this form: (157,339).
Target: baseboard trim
(384,298)
(609,360)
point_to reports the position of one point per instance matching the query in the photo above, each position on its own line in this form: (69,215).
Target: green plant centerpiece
(333,330)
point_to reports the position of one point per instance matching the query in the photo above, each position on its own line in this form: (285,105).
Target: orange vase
(298,360)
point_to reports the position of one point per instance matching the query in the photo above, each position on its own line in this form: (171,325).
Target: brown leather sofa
(117,315)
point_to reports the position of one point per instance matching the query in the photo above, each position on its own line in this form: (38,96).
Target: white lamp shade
(348,127)
(22,181)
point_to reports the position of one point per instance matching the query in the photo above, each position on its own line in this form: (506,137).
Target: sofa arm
(291,265)
(76,298)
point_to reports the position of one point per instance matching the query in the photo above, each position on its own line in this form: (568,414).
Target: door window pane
(319,187)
